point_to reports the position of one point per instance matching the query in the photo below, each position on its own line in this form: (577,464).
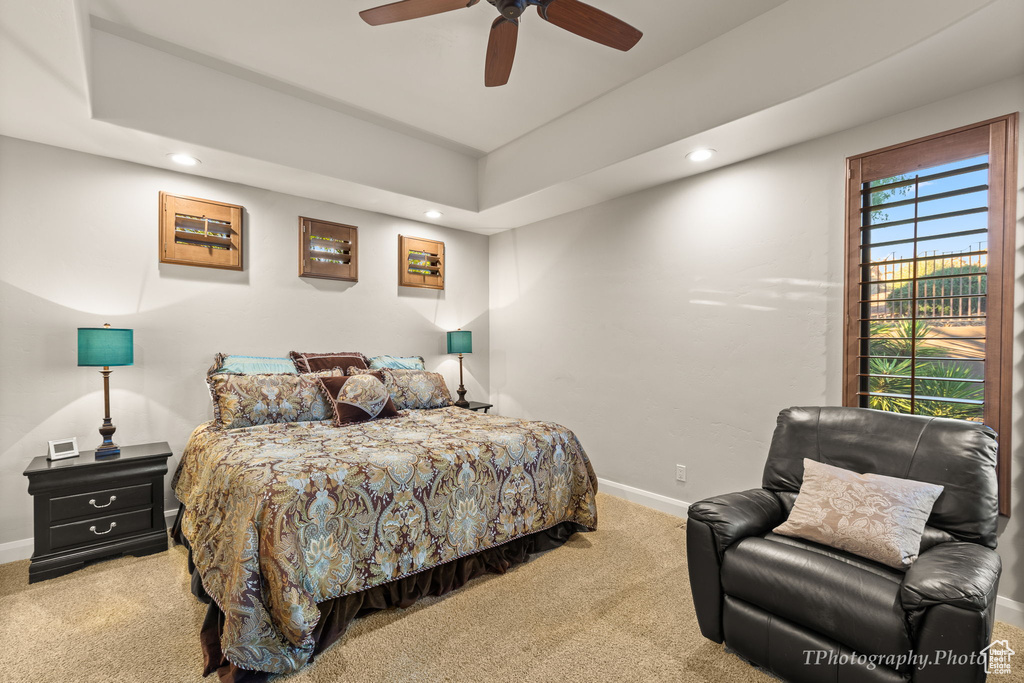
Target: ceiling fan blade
(501,51)
(411,9)
(591,23)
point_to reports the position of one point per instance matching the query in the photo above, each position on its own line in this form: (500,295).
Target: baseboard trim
(1010,611)
(16,550)
(657,501)
(22,550)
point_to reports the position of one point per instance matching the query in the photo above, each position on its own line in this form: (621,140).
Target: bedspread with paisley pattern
(283,516)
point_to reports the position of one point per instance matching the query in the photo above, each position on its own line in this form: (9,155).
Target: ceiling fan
(572,15)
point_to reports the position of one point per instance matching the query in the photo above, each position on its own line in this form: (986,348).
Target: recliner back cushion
(958,455)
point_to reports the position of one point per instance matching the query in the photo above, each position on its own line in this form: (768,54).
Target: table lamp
(105,347)
(460,342)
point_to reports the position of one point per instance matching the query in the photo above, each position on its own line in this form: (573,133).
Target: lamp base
(108,447)
(462,402)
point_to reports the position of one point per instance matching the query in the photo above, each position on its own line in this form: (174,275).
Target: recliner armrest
(735,516)
(964,575)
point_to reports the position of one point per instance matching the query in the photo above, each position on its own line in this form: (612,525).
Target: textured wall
(670,326)
(78,248)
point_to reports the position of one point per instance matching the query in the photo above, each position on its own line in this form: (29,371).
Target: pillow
(358,399)
(312,362)
(248,400)
(416,389)
(871,515)
(397,362)
(252,365)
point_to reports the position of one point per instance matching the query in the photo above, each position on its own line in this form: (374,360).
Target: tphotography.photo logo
(995,657)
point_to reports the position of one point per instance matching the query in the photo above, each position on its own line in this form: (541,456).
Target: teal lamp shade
(105,347)
(460,341)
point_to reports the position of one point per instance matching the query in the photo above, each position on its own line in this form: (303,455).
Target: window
(929,279)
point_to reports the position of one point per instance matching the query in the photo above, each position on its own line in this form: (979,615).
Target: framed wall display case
(420,263)
(200,232)
(328,250)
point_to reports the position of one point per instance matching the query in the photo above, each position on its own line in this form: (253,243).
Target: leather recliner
(809,612)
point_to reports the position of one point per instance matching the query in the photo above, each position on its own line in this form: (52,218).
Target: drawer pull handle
(92,501)
(100,533)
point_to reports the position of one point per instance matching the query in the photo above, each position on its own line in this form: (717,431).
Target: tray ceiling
(305,98)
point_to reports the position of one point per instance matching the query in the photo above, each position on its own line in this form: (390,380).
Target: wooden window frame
(1001,137)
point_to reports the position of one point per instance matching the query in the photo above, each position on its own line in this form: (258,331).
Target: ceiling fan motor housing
(510,9)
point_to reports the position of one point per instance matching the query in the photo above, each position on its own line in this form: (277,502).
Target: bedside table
(88,508)
(477,406)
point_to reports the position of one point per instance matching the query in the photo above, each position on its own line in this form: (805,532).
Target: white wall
(671,325)
(78,248)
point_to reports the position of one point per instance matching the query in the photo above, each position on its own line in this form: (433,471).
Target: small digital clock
(62,448)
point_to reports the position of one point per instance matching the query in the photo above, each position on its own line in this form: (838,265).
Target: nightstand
(477,406)
(89,508)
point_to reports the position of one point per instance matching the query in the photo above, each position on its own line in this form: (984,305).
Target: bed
(294,529)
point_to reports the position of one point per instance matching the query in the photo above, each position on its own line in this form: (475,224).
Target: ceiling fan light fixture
(701,154)
(433,214)
(184,159)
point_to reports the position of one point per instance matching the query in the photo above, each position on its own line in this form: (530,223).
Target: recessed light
(433,213)
(700,154)
(184,159)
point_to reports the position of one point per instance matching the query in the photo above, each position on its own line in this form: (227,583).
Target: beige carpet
(613,605)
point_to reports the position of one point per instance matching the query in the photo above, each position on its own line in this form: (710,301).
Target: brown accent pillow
(359,398)
(311,362)
(871,515)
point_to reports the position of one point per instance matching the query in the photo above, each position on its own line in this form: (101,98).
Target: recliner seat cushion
(837,554)
(850,600)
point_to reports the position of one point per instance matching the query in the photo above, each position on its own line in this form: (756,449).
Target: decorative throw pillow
(312,362)
(397,362)
(359,398)
(252,365)
(248,400)
(871,515)
(417,389)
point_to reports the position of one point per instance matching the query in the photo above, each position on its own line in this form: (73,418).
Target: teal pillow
(397,363)
(257,365)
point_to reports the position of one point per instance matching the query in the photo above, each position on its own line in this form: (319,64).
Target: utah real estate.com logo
(997,657)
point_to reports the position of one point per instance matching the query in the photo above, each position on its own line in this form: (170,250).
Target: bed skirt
(337,613)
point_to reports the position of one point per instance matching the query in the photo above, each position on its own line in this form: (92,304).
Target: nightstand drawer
(100,529)
(100,502)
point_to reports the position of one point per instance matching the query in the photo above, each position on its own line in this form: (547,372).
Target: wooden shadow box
(328,250)
(200,232)
(420,263)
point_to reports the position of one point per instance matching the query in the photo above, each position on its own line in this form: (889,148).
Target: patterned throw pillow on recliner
(871,515)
